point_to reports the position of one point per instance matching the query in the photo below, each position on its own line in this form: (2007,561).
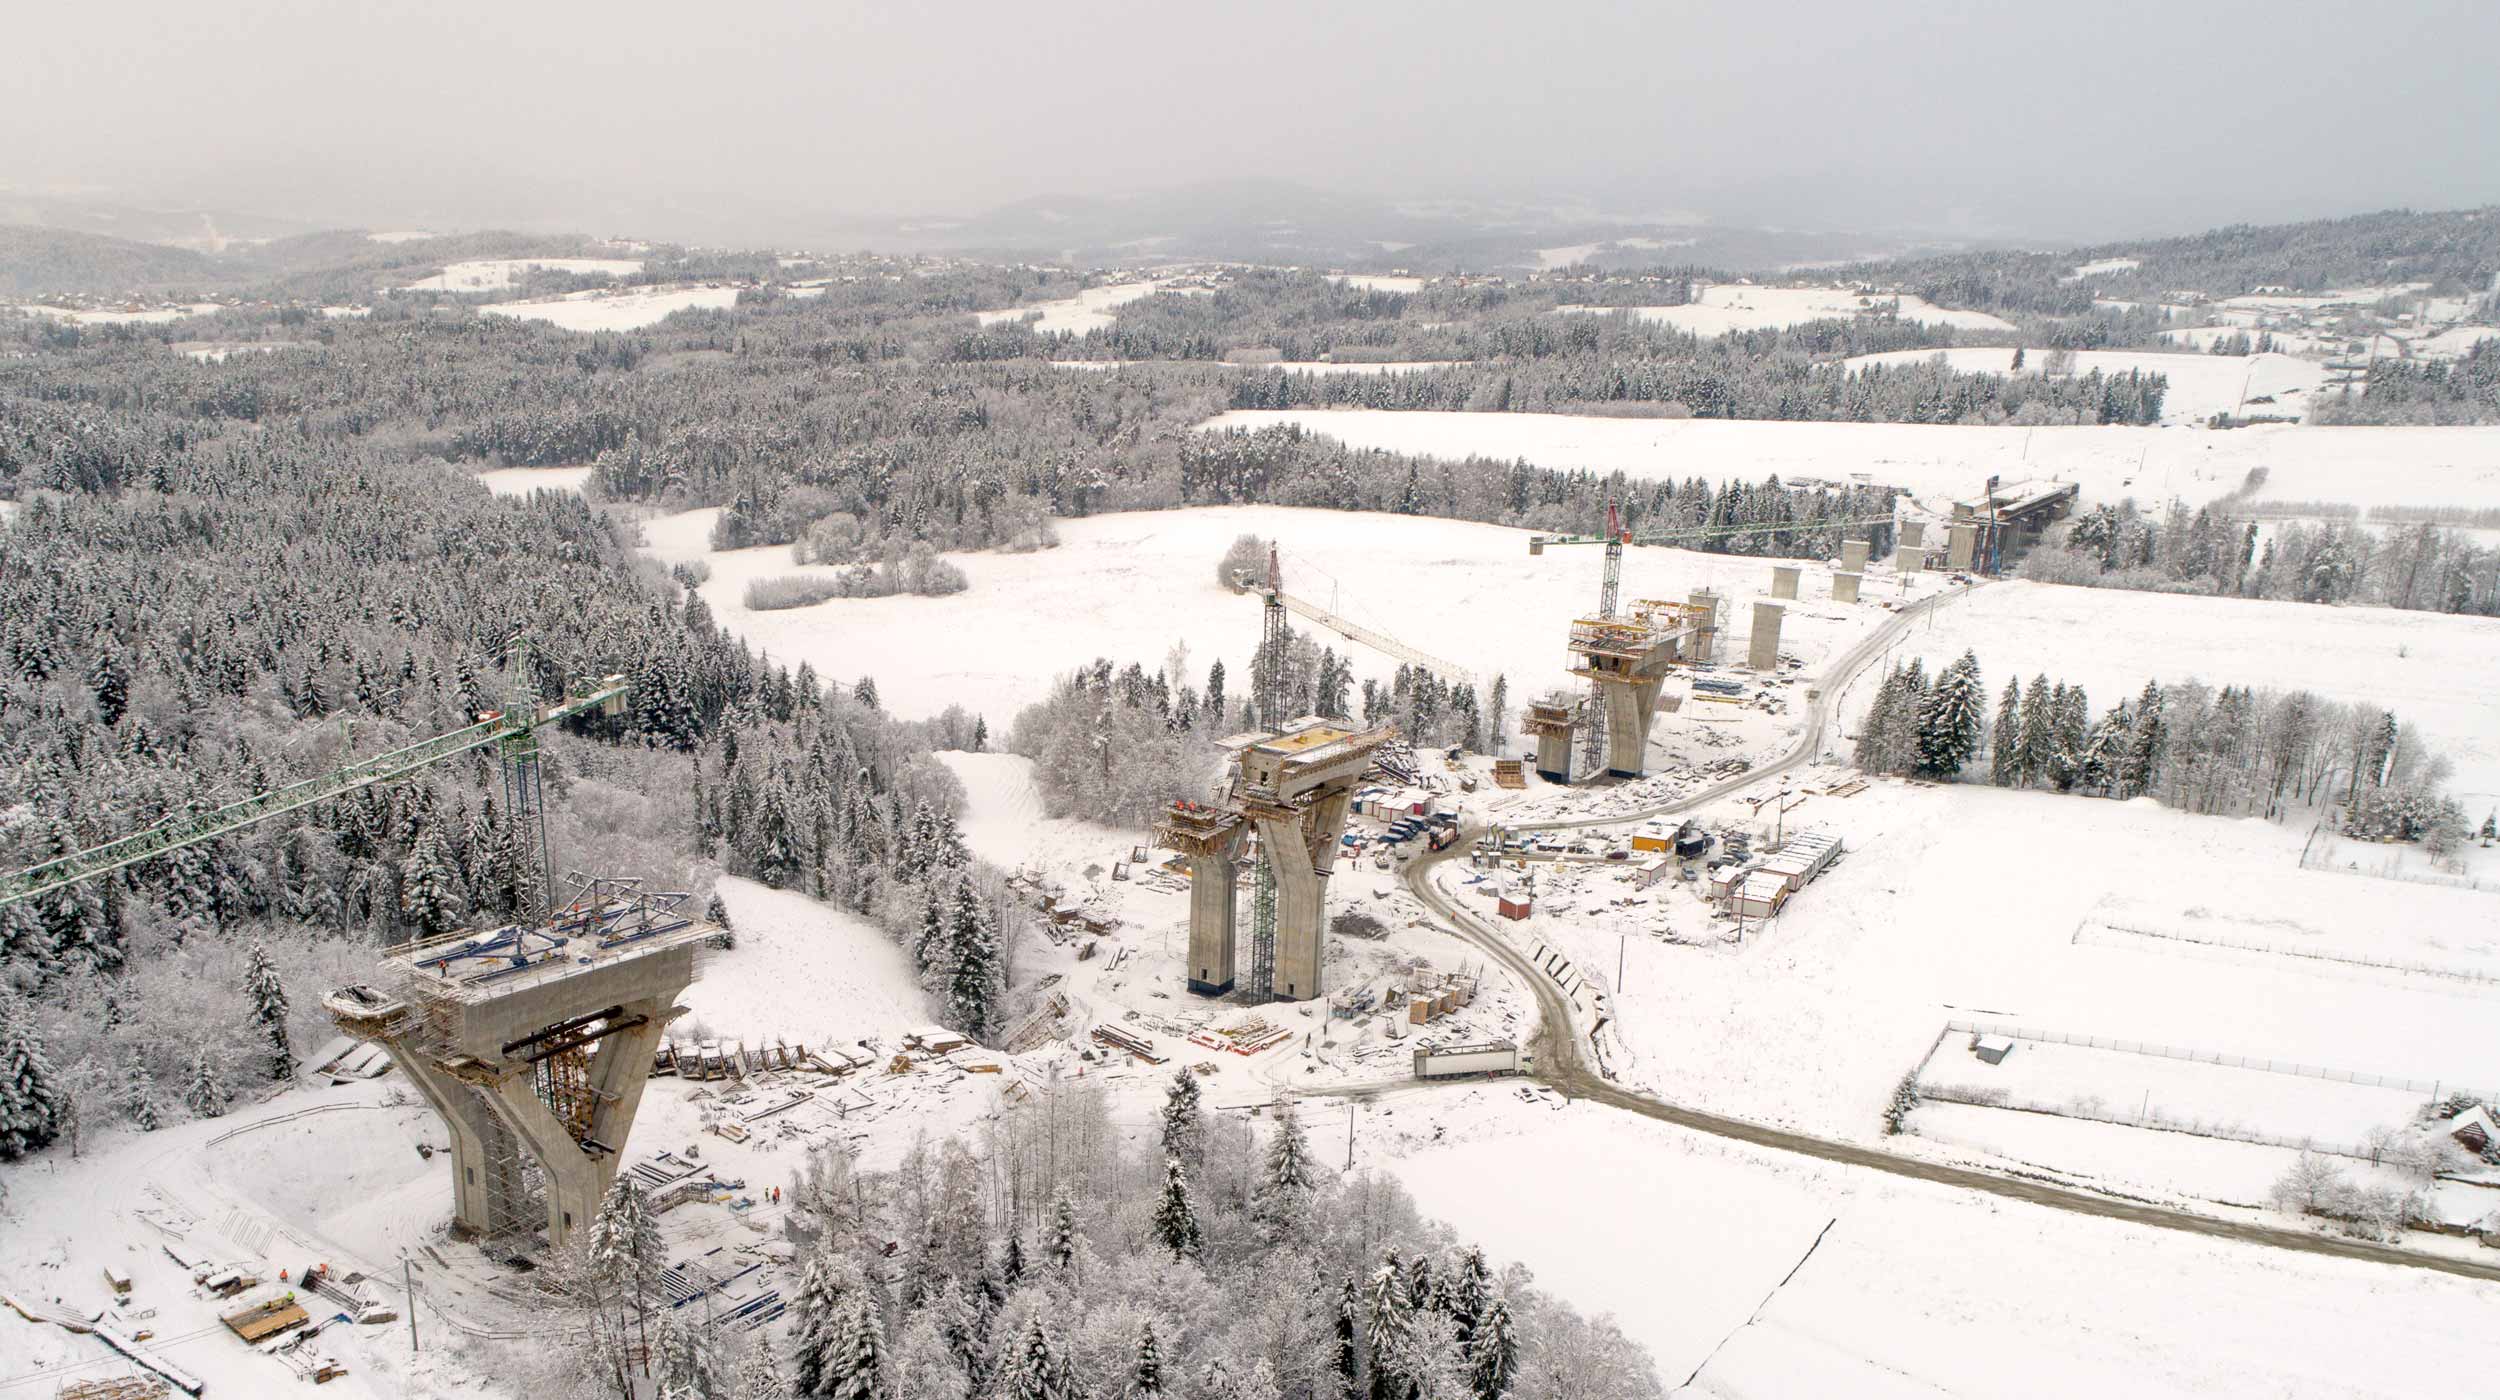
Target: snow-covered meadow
(1088,310)
(1728,307)
(616,311)
(1130,586)
(495,274)
(2200,385)
(2362,466)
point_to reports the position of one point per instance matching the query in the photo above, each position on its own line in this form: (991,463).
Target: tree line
(2236,751)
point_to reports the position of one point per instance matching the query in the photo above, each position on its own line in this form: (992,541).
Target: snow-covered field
(616,311)
(2200,385)
(520,481)
(151,316)
(1129,586)
(2095,269)
(495,274)
(2363,466)
(1964,902)
(802,971)
(1403,286)
(2433,669)
(2186,1095)
(1287,366)
(399,236)
(1735,307)
(1003,821)
(1088,310)
(1917,1292)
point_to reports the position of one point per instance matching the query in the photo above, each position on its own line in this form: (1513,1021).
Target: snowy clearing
(1088,310)
(2362,466)
(2433,669)
(2095,269)
(1917,1291)
(1730,307)
(495,274)
(1402,286)
(1128,586)
(617,311)
(2200,385)
(133,316)
(401,236)
(1003,821)
(521,481)
(803,971)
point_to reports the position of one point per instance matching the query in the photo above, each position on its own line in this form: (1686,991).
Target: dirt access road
(1560,1060)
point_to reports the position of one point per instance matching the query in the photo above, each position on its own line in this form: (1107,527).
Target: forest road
(1560,1061)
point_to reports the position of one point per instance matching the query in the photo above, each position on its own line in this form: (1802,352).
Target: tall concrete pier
(533,1041)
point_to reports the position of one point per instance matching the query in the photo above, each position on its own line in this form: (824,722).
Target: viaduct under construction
(533,1040)
(1288,788)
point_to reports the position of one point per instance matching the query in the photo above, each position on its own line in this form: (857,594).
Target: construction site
(1264,938)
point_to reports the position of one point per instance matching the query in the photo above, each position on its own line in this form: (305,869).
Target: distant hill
(34,261)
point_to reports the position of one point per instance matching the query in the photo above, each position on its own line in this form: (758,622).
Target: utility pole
(408,1275)
(1351,1108)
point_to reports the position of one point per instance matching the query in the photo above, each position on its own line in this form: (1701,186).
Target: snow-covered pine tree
(1469,1290)
(974,984)
(1175,1218)
(1062,1232)
(931,944)
(1011,1258)
(716,910)
(760,1375)
(818,1309)
(1493,1353)
(1184,1122)
(269,1010)
(1420,1283)
(1390,1330)
(980,734)
(1951,718)
(1346,1360)
(139,1096)
(2005,743)
(204,1088)
(429,892)
(1285,1188)
(865,692)
(864,1374)
(1032,1367)
(2141,768)
(1145,1374)
(2036,749)
(31,1106)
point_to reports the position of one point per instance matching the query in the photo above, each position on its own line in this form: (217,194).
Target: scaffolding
(473,1016)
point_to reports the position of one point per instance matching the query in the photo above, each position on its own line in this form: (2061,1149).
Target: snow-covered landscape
(1834,762)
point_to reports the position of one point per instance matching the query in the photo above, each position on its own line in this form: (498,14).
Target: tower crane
(513,731)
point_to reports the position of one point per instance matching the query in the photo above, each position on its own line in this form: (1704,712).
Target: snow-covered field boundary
(2206,1057)
(2120,935)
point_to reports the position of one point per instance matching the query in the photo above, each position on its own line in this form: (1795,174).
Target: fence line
(2253,946)
(1984,1098)
(2324,860)
(2431,1088)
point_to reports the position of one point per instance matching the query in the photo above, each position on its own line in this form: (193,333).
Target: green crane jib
(495,727)
(1537,543)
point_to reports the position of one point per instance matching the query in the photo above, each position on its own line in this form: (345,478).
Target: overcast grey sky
(2100,117)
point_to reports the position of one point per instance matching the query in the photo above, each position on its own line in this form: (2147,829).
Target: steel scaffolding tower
(1273,641)
(1593,733)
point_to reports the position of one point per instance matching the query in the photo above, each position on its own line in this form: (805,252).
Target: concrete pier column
(1845,588)
(1553,756)
(485,1165)
(1630,708)
(1853,556)
(1214,897)
(1784,580)
(1764,653)
(1301,907)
